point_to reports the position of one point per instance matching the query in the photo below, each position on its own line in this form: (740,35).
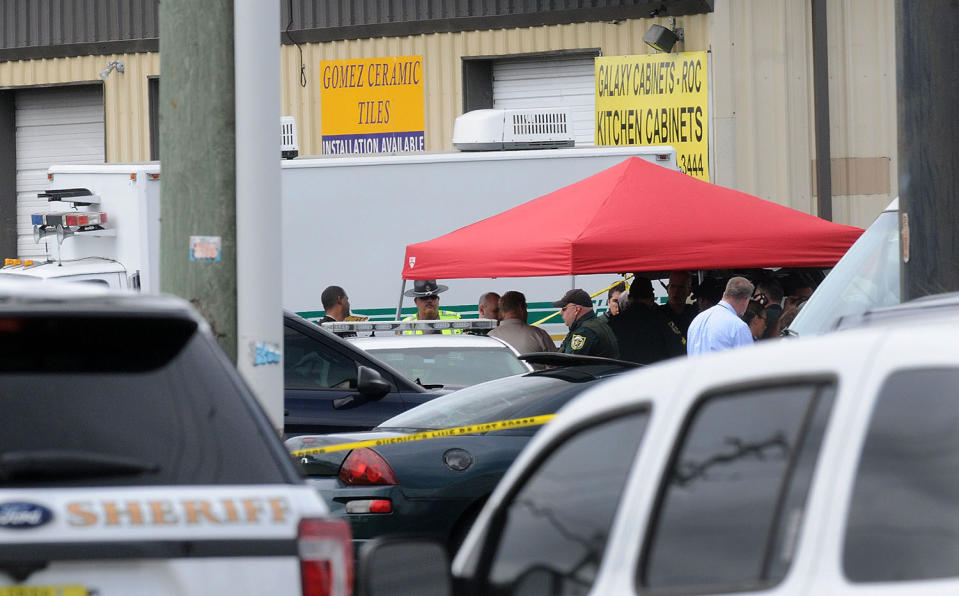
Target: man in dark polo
(588,335)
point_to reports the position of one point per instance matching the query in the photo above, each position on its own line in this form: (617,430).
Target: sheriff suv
(133,459)
(824,465)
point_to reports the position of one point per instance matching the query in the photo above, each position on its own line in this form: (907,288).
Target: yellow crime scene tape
(432,434)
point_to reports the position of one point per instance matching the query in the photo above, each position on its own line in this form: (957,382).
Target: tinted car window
(124,401)
(735,491)
(308,364)
(554,530)
(903,519)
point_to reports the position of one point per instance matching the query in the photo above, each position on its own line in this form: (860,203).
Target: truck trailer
(345,221)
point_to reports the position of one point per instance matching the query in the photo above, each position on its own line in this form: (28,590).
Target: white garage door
(566,81)
(55,125)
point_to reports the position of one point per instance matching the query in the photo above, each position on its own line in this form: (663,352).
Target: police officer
(644,333)
(426,296)
(588,334)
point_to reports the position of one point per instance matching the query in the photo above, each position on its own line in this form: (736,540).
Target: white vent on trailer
(494,130)
(289,145)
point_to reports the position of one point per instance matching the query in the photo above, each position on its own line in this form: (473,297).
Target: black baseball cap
(576,296)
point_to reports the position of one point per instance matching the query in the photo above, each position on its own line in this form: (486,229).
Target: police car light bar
(463,324)
(93,218)
(69,219)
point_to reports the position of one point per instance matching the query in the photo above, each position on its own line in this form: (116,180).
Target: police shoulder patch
(577,342)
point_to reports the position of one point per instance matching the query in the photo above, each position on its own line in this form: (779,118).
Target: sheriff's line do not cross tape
(472,429)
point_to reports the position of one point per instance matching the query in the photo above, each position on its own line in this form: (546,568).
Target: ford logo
(22,516)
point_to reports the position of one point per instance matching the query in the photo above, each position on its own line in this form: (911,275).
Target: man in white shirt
(721,327)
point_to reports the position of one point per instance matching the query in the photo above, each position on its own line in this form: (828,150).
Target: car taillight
(365,466)
(326,557)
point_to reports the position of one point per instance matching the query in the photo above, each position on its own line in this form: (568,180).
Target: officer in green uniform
(588,334)
(426,295)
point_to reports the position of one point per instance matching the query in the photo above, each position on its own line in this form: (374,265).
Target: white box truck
(345,221)
(102,226)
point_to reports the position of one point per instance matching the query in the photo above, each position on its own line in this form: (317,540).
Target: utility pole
(820,69)
(197,151)
(220,149)
(259,277)
(928,146)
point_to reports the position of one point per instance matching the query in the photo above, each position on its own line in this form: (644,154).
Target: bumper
(432,516)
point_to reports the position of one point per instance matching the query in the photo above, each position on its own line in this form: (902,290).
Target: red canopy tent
(633,217)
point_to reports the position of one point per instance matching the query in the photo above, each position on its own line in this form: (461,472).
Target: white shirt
(717,328)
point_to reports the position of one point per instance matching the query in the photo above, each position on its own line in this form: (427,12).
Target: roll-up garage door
(55,125)
(564,81)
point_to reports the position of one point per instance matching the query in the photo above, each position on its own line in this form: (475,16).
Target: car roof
(675,383)
(52,270)
(31,295)
(936,305)
(564,359)
(436,340)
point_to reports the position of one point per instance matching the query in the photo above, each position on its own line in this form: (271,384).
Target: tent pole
(399,305)
(573,282)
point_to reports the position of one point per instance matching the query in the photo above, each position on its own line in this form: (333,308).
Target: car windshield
(513,397)
(451,366)
(867,277)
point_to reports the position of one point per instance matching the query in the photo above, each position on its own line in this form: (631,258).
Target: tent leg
(572,282)
(399,305)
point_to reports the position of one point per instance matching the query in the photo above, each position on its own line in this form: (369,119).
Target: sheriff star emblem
(577,342)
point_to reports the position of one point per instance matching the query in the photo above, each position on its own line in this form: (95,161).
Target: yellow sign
(656,99)
(372,105)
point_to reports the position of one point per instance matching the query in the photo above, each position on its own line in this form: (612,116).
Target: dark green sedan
(436,487)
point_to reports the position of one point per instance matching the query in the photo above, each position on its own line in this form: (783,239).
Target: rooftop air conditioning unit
(289,145)
(494,130)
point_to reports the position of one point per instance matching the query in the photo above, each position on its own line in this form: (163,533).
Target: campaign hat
(423,288)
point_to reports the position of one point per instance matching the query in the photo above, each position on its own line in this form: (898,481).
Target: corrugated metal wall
(761,88)
(308,14)
(126,109)
(26,23)
(30,23)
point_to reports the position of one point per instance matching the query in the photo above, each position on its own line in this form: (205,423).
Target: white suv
(826,465)
(134,460)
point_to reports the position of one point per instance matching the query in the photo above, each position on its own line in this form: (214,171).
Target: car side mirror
(403,567)
(370,383)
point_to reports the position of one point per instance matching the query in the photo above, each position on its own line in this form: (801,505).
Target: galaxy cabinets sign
(372,105)
(656,99)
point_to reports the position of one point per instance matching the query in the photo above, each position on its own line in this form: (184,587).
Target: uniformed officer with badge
(588,334)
